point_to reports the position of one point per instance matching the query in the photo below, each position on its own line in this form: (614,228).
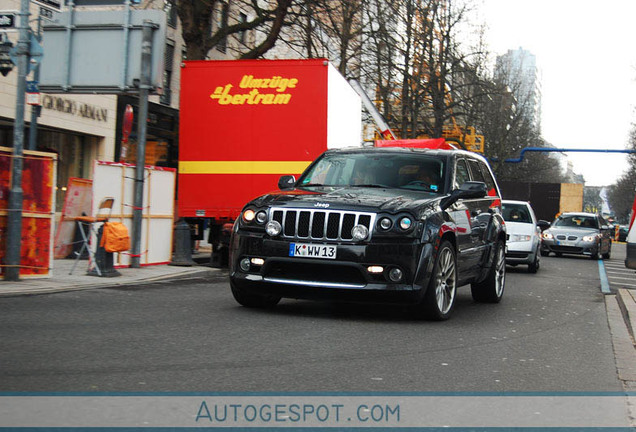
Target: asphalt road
(550,333)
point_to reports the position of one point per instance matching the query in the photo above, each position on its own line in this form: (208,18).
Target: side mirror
(468,190)
(543,224)
(286,182)
(605,227)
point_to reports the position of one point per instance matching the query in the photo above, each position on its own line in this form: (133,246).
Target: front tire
(609,251)
(491,289)
(439,299)
(533,267)
(597,255)
(250,300)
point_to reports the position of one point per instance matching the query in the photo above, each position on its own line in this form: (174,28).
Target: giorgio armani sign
(80,109)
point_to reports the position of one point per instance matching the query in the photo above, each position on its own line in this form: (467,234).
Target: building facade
(518,69)
(82,128)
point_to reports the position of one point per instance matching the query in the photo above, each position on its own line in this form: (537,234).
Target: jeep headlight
(261,217)
(385,223)
(405,223)
(248,215)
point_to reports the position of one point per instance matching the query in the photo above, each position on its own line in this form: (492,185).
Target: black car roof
(404,150)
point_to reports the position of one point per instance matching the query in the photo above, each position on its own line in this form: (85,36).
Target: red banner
(38,210)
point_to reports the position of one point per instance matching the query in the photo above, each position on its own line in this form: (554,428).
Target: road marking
(617,277)
(625,285)
(605,289)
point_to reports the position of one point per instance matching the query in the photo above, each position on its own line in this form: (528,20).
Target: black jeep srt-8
(391,225)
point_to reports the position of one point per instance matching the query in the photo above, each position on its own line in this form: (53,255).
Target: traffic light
(6,64)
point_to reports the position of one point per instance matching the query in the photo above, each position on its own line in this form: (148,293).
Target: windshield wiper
(371,185)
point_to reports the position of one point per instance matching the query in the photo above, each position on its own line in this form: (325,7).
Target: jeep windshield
(365,169)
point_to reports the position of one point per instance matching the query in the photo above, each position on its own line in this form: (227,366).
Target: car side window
(476,171)
(489,180)
(461,173)
(600,221)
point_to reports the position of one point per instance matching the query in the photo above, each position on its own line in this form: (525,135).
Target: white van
(630,260)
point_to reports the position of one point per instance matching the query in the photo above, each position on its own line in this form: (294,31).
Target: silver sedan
(578,233)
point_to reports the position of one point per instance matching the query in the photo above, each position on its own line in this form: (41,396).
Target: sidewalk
(624,297)
(61,280)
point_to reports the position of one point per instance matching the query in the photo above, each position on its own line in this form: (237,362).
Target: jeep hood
(371,199)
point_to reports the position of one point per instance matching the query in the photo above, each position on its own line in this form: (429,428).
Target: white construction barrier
(113,179)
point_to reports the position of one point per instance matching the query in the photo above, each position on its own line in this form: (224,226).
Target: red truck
(245,123)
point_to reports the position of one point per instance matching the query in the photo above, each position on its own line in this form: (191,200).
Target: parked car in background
(623,230)
(523,234)
(580,234)
(387,225)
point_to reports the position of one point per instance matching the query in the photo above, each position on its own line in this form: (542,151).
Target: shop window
(171,12)
(166,97)
(157,152)
(74,158)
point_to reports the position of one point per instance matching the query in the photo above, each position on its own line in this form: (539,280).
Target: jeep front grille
(314,224)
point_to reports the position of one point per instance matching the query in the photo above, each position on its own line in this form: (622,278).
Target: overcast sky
(586,51)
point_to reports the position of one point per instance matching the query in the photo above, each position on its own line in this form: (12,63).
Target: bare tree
(424,82)
(379,71)
(201,32)
(621,194)
(326,28)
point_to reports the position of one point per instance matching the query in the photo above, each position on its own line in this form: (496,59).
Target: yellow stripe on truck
(242,167)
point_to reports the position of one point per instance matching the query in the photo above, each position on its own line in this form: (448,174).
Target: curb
(194,273)
(627,305)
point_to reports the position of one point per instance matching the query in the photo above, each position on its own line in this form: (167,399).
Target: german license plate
(565,243)
(307,250)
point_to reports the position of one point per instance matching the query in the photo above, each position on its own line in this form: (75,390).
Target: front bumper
(345,278)
(576,248)
(520,253)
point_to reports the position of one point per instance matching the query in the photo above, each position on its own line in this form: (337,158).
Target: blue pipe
(561,150)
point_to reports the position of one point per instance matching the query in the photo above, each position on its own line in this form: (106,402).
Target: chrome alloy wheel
(445,281)
(500,271)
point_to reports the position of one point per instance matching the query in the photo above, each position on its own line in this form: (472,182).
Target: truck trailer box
(244,123)
(547,199)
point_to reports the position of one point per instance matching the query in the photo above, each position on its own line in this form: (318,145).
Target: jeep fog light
(359,232)
(375,269)
(245,264)
(273,228)
(395,274)
(257,261)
